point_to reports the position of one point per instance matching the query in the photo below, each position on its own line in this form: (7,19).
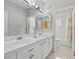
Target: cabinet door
(43,48)
(38,54)
(46,47)
(11,57)
(50,45)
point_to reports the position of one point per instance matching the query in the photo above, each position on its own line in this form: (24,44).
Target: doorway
(64,28)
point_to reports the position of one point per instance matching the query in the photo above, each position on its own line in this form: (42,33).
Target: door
(70,28)
(61,27)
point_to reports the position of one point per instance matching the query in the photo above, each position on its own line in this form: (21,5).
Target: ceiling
(55,4)
(48,4)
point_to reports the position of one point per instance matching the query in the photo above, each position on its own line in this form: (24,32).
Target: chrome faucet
(35,29)
(35,36)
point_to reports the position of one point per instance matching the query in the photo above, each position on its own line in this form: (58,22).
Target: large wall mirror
(15,19)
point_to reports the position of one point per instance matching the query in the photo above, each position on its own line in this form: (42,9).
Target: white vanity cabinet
(10,56)
(36,50)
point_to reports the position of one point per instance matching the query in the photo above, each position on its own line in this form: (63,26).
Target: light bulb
(44,0)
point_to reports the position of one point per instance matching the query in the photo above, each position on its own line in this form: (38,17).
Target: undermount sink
(22,41)
(12,43)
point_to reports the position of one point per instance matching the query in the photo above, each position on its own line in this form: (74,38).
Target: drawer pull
(30,57)
(31,50)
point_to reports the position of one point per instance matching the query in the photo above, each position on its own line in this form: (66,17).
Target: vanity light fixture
(33,4)
(28,2)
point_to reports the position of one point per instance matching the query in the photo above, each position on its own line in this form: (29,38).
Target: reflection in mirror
(31,25)
(43,23)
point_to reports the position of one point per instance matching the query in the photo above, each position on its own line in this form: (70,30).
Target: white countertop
(14,45)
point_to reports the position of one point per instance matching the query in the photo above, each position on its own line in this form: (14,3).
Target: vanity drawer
(31,56)
(11,55)
(28,50)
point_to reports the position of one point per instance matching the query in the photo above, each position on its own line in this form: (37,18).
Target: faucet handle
(19,38)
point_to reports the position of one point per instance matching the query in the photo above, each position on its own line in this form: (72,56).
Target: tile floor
(62,51)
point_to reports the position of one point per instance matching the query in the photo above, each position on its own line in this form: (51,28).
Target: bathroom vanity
(29,47)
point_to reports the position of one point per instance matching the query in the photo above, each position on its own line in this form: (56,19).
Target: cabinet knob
(31,56)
